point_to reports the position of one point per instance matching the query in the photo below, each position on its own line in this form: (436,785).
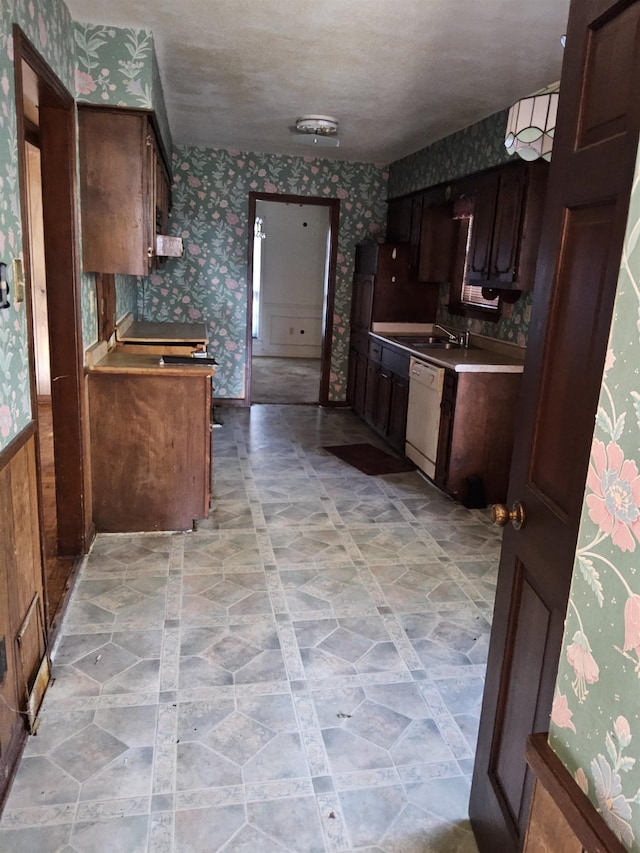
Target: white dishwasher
(423,415)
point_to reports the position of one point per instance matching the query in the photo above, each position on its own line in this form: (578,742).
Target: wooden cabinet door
(371,392)
(399,220)
(415,234)
(114,191)
(397,422)
(383,407)
(484,213)
(362,302)
(436,243)
(587,203)
(507,231)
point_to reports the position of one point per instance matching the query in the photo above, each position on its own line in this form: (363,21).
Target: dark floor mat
(369,459)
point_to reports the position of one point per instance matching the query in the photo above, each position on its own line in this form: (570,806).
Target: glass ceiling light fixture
(531,125)
(316,130)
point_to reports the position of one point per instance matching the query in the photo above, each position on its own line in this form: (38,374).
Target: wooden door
(588,194)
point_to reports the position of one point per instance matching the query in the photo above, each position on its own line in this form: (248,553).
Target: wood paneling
(20,580)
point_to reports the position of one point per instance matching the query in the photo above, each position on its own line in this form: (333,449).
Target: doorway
(292,269)
(47,162)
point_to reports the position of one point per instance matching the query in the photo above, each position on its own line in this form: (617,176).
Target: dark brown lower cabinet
(477,425)
(386,392)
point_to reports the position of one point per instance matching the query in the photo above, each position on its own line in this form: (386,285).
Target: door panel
(527,638)
(611,45)
(583,260)
(576,278)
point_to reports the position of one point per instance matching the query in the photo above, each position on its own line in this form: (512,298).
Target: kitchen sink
(438,345)
(417,341)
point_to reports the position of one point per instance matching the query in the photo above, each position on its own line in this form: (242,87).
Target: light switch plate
(18,280)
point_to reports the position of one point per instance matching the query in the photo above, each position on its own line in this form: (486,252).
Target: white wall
(294,269)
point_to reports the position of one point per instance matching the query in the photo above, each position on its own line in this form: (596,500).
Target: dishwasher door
(423,416)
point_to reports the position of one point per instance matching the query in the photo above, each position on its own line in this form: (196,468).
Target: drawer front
(375,351)
(397,362)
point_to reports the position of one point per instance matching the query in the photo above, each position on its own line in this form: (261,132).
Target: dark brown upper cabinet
(506,225)
(399,212)
(436,240)
(125,190)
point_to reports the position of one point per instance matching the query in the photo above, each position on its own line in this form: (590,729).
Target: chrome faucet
(460,338)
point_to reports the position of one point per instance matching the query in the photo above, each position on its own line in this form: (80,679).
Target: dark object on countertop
(474,493)
(186,359)
(370,460)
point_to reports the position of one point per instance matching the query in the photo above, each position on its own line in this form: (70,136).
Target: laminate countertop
(119,361)
(146,331)
(475,359)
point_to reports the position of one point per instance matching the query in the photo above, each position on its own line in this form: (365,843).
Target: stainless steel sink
(439,345)
(417,341)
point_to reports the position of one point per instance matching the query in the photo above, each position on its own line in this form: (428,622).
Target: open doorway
(46,133)
(292,262)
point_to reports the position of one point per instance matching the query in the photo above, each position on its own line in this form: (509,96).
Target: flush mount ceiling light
(531,125)
(317,130)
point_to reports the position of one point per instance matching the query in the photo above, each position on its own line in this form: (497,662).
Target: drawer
(397,362)
(375,351)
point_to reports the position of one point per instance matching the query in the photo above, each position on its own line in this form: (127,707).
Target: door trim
(59,199)
(330,298)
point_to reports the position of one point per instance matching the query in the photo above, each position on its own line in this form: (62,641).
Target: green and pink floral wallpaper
(210,209)
(595,722)
(512,326)
(47,25)
(118,67)
(470,150)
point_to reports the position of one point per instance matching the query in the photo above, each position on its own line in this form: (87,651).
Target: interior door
(587,202)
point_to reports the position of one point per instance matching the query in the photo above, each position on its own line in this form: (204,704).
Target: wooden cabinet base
(150,451)
(476,432)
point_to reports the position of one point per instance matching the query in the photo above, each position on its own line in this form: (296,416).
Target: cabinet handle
(149,251)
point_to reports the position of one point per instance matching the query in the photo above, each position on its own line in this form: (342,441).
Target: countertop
(478,358)
(145,331)
(120,361)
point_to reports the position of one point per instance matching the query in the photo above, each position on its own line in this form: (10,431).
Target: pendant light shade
(531,126)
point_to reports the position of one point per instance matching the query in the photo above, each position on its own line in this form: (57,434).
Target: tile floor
(303,673)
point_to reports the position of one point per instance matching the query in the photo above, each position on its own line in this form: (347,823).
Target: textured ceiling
(397,74)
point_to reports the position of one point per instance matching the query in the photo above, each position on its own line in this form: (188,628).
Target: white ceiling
(397,74)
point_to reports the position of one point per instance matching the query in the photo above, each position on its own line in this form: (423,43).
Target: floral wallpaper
(118,67)
(595,721)
(47,25)
(512,326)
(210,208)
(126,295)
(473,149)
(89,309)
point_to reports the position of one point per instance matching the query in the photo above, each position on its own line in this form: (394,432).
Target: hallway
(303,673)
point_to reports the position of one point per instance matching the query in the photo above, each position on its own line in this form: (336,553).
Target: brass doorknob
(501,516)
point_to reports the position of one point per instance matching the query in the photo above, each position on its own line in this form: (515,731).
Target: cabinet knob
(149,251)
(501,515)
